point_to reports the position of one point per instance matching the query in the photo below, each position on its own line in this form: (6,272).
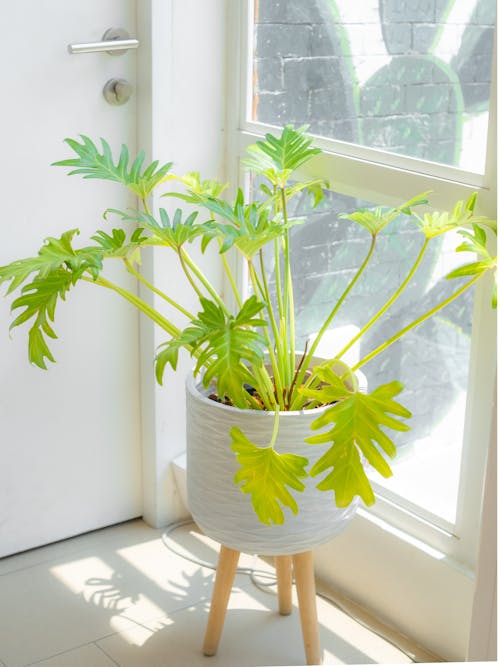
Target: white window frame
(445,551)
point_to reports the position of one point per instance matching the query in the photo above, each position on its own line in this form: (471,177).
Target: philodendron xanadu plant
(248,357)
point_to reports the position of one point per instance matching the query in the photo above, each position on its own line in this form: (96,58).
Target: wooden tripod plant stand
(306,592)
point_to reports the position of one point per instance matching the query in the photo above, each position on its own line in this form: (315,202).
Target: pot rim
(195,388)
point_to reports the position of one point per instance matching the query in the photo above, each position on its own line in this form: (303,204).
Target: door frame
(180,118)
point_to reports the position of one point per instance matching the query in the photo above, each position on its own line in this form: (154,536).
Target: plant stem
(294,381)
(203,280)
(277,271)
(275,359)
(138,303)
(416,322)
(329,319)
(388,303)
(188,274)
(231,279)
(144,281)
(267,298)
(265,387)
(288,294)
(276,425)
(264,290)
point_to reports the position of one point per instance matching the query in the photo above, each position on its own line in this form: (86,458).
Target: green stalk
(288,295)
(267,299)
(389,303)
(276,363)
(154,289)
(254,403)
(264,290)
(258,286)
(231,279)
(138,303)
(295,377)
(203,280)
(188,275)
(150,286)
(276,425)
(265,387)
(416,322)
(277,270)
(328,321)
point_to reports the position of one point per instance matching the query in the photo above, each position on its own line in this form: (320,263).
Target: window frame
(393,178)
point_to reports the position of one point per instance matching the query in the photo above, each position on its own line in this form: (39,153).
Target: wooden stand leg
(283,566)
(306,592)
(226,568)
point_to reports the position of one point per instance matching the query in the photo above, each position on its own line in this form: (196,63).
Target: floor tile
(122,578)
(131,595)
(254,635)
(85,656)
(73,545)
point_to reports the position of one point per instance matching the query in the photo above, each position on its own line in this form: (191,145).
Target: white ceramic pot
(222,510)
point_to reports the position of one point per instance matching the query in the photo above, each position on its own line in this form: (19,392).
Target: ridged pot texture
(222,510)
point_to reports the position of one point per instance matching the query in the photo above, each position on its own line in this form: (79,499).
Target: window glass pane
(431,361)
(406,77)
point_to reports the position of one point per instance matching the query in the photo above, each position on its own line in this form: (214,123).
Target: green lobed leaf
(277,157)
(376,219)
(462,215)
(249,230)
(168,353)
(255,229)
(224,346)
(198,188)
(172,232)
(57,268)
(229,343)
(265,475)
(38,300)
(357,420)
(95,164)
(333,388)
(477,244)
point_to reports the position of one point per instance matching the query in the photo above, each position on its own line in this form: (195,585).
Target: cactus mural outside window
(408,77)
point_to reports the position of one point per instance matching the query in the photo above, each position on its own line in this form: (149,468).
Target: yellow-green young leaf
(197,187)
(265,474)
(436,223)
(375,219)
(475,243)
(347,474)
(333,388)
(357,422)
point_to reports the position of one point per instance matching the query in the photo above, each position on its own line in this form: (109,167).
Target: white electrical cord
(271,581)
(250,571)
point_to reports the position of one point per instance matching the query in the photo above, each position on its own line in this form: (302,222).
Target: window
(409,78)
(398,95)
(431,361)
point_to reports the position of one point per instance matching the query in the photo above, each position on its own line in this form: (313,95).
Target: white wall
(184,123)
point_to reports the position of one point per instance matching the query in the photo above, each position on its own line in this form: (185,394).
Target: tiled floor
(120,596)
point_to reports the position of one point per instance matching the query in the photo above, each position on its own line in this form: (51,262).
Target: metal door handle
(115,41)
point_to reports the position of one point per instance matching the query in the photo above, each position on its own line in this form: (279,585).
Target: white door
(70,436)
